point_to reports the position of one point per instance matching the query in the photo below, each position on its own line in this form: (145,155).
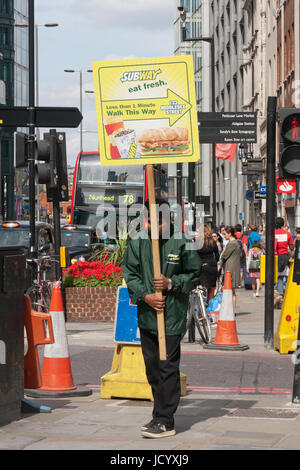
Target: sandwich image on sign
(166,140)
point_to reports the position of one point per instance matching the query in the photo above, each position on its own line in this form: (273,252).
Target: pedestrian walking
(230,260)
(219,241)
(222,232)
(284,246)
(180,268)
(297,234)
(253,237)
(209,255)
(253,267)
(242,240)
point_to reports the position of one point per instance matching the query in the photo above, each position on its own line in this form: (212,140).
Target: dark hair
(254,228)
(230,230)
(279,222)
(238,228)
(298,230)
(159,202)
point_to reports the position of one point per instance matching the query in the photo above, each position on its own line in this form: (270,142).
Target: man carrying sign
(180,267)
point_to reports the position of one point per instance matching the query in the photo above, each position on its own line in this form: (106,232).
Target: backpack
(254,264)
(242,252)
(249,241)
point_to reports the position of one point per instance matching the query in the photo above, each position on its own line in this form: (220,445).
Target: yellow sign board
(146,111)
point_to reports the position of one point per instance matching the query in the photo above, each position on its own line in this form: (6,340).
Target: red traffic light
(290,129)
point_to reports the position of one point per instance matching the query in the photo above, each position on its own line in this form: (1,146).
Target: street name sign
(19,116)
(146,111)
(259,196)
(227,127)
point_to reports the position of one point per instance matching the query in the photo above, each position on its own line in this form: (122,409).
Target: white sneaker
(254,295)
(257,294)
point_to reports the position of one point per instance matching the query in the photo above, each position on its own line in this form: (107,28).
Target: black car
(81,240)
(18,234)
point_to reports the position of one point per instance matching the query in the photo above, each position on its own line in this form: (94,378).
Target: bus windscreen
(91,172)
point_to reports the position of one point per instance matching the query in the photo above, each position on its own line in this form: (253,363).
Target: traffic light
(46,151)
(53,172)
(20,149)
(289,163)
(61,165)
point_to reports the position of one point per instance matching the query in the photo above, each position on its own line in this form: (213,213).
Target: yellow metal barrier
(263,269)
(63,257)
(127,377)
(285,338)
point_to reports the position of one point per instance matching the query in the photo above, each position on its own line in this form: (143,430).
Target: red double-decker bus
(117,186)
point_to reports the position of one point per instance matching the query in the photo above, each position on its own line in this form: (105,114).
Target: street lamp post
(37,26)
(80,98)
(211,41)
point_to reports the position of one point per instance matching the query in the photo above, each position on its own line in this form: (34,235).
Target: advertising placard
(146,111)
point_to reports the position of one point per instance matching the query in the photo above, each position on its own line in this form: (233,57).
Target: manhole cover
(262,413)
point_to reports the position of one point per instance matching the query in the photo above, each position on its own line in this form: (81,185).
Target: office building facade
(13,92)
(227,26)
(222,20)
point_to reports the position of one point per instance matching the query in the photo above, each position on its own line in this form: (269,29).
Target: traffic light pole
(270,221)
(57,236)
(31,156)
(55,203)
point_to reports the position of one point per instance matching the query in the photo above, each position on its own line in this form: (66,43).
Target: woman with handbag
(253,267)
(230,260)
(209,254)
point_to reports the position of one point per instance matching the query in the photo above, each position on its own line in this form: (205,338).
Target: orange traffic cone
(57,377)
(226,336)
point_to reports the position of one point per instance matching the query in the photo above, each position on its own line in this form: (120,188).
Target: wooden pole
(156,260)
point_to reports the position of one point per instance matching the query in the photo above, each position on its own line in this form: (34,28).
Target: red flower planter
(93,294)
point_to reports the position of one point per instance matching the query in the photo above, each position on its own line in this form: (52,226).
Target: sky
(94,30)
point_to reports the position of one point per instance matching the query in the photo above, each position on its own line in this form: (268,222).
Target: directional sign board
(126,326)
(19,116)
(146,111)
(227,127)
(259,196)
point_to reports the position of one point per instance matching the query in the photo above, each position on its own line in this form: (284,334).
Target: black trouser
(163,376)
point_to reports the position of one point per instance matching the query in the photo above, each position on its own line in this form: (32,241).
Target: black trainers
(148,425)
(158,430)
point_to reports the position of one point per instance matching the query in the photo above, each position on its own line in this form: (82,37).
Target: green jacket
(181,265)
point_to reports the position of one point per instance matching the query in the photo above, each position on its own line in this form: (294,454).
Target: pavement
(204,420)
